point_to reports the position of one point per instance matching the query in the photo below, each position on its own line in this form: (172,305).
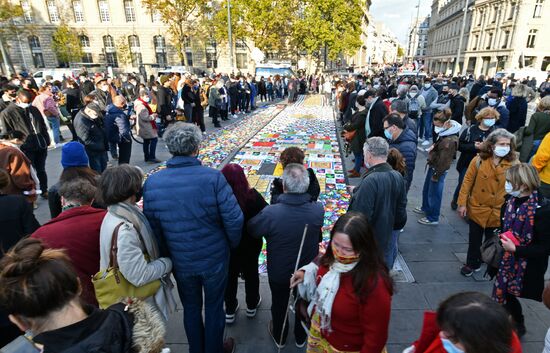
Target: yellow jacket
(482,191)
(541,160)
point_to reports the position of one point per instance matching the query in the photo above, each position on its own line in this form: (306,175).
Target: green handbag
(110,285)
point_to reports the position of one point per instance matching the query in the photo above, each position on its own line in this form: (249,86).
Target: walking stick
(291,289)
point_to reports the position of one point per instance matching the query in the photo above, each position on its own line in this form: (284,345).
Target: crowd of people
(111,288)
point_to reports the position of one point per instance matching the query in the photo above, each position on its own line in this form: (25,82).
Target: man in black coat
(282,226)
(164,101)
(404,140)
(381,197)
(457,104)
(480,83)
(8,93)
(91,133)
(376,112)
(130,90)
(102,93)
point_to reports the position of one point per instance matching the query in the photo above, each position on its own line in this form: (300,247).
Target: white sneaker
(426,143)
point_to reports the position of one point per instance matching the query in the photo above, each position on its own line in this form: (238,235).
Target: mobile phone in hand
(510,236)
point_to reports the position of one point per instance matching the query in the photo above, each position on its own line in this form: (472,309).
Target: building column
(478,66)
(465,65)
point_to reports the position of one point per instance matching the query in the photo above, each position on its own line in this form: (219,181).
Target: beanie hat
(163,79)
(74,155)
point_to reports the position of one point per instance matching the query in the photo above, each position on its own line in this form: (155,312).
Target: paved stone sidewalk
(434,255)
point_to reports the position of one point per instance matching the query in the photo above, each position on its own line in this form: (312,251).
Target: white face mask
(146,99)
(23,105)
(489,122)
(510,189)
(427,85)
(104,88)
(16,82)
(501,151)
(438,129)
(359,106)
(492,101)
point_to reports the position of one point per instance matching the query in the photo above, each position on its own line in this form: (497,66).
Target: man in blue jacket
(282,225)
(404,140)
(196,219)
(117,127)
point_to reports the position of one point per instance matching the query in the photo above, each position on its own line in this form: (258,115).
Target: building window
(77,11)
(110,51)
(189,55)
(512,11)
(156,16)
(84,42)
(36,50)
(240,45)
(52,11)
(531,38)
(495,14)
(133,42)
(538,9)
(104,15)
(480,18)
(87,58)
(242,60)
(489,41)
(476,42)
(129,11)
(160,50)
(27,11)
(211,60)
(505,40)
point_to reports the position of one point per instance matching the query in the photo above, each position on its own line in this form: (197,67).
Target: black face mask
(13,95)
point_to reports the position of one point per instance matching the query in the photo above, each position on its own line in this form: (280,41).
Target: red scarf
(146,105)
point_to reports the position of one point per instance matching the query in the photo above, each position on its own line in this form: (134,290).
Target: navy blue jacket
(117,125)
(282,225)
(406,144)
(194,215)
(517,106)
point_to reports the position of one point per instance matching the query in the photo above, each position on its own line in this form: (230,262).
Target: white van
(57,74)
(267,70)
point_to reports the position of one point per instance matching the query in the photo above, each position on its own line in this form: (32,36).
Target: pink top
(44,102)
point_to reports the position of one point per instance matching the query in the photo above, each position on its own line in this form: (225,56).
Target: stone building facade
(417,40)
(500,35)
(106,28)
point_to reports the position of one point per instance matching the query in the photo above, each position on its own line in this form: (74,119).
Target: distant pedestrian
(117,126)
(440,157)
(404,140)
(147,127)
(90,129)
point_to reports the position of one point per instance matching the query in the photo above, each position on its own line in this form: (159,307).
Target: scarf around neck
(146,105)
(326,292)
(520,221)
(132,214)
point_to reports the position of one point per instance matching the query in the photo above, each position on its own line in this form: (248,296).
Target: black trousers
(244,260)
(38,160)
(513,306)
(279,299)
(223,114)
(124,152)
(198,117)
(213,112)
(473,259)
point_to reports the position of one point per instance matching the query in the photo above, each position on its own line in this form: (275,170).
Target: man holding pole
(282,225)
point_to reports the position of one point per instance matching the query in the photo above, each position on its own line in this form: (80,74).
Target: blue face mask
(450,347)
(388,134)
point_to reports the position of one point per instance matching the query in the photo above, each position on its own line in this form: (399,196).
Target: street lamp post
(230,34)
(456,68)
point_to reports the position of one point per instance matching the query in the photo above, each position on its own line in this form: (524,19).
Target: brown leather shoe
(353,174)
(229,345)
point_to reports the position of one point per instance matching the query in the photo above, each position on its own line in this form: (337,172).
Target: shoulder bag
(110,285)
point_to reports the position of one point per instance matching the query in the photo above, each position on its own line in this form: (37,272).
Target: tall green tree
(268,23)
(66,45)
(331,25)
(183,18)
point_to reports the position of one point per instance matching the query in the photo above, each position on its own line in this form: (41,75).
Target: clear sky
(398,14)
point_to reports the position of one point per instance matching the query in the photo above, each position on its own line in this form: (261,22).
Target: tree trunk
(8,65)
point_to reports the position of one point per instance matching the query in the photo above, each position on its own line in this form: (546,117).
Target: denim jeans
(54,124)
(425,125)
(98,160)
(149,148)
(195,290)
(391,252)
(432,193)
(461,174)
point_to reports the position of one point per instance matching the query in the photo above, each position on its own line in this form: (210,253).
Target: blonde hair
(520,90)
(544,104)
(464,93)
(487,113)
(523,174)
